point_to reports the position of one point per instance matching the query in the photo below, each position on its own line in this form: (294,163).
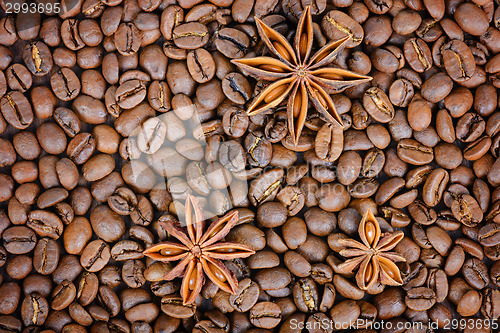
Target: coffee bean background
(113,111)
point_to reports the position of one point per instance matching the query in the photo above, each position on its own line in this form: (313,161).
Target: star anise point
(295,73)
(371,256)
(199,252)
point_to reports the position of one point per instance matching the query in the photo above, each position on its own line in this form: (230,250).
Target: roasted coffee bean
(337,25)
(265,187)
(81,147)
(458,60)
(420,298)
(65,84)
(18,77)
(236,88)
(489,235)
(271,214)
(109,300)
(378,105)
(16,110)
(201,65)
(45,224)
(434,186)
(190,36)
(347,289)
(108,225)
(34,309)
(38,58)
(95,256)
(90,109)
(414,153)
(232,43)
(76,235)
(51,197)
(305,295)
(62,295)
(232,156)
(475,273)
(130,93)
(173,306)
(19,239)
(466,210)
(345,312)
(265,315)
(126,250)
(46,256)
(246,295)
(132,273)
(127,39)
(329,142)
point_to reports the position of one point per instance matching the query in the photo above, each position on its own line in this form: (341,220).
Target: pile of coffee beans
(112,111)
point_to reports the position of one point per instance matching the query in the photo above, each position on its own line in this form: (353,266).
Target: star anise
(371,257)
(199,252)
(296,72)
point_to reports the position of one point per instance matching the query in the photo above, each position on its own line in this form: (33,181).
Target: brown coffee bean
(418,54)
(465,10)
(439,239)
(414,153)
(475,273)
(76,235)
(65,84)
(378,105)
(333,197)
(45,224)
(420,298)
(337,25)
(46,256)
(98,167)
(81,147)
(16,109)
(437,87)
(232,43)
(201,65)
(246,296)
(190,36)
(265,187)
(90,109)
(173,306)
(470,247)
(466,210)
(458,60)
(489,235)
(18,78)
(346,288)
(51,197)
(34,309)
(127,39)
(329,142)
(265,315)
(248,235)
(159,96)
(95,256)
(108,225)
(345,312)
(63,295)
(236,88)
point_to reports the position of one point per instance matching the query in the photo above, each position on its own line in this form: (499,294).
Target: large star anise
(199,252)
(371,257)
(295,72)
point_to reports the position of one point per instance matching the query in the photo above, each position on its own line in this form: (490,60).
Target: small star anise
(295,72)
(372,257)
(199,252)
